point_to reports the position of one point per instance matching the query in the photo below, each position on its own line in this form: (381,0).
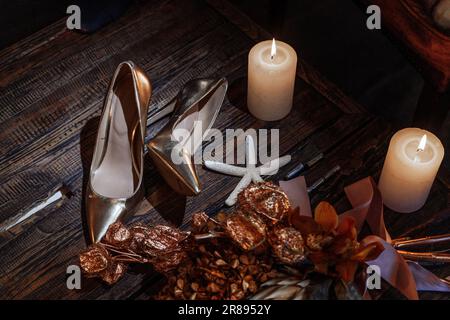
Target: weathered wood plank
(80,103)
(47,135)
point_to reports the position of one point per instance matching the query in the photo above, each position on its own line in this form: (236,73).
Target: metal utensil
(295,172)
(320,181)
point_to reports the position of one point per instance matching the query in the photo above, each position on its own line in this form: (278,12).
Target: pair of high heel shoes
(115,185)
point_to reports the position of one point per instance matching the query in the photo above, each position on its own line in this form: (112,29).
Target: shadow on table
(169,204)
(236,91)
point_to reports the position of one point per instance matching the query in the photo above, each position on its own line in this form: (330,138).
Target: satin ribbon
(406,276)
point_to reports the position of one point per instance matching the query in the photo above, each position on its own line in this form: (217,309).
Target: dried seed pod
(252,286)
(213,287)
(239,295)
(263,278)
(287,244)
(245,285)
(253,269)
(194,286)
(244,259)
(168,262)
(266,199)
(180,283)
(221,262)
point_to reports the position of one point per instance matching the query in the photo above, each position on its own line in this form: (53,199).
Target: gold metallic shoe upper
(115,180)
(199,100)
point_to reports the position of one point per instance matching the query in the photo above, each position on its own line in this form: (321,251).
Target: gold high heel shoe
(115,180)
(199,100)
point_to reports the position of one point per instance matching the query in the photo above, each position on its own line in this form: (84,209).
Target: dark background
(329,34)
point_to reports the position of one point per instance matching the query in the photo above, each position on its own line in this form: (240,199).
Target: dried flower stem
(114,249)
(210,235)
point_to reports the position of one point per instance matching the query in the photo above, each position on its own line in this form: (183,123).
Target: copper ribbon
(406,276)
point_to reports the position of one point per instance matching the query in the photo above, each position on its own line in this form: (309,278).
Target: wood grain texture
(52,85)
(409,22)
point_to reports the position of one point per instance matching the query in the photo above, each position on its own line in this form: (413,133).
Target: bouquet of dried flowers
(230,256)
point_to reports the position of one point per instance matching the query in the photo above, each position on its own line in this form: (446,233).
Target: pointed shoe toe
(180,175)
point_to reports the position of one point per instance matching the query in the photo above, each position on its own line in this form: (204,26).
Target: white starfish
(249,173)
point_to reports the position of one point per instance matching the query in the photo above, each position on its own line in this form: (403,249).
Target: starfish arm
(232,198)
(273,166)
(250,152)
(255,176)
(225,168)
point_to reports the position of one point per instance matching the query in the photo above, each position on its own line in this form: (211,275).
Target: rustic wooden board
(428,46)
(52,85)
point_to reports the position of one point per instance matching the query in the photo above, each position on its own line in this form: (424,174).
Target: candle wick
(416,157)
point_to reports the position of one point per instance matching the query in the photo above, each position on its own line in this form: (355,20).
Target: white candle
(410,167)
(271,77)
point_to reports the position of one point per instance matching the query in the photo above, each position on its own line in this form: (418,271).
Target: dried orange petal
(369,252)
(326,216)
(347,227)
(304,224)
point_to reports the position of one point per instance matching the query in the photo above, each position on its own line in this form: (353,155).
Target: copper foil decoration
(262,207)
(199,222)
(159,240)
(95,259)
(265,199)
(163,247)
(246,230)
(118,235)
(97,262)
(287,244)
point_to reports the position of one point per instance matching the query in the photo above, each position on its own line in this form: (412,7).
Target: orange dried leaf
(346,223)
(369,252)
(326,216)
(304,224)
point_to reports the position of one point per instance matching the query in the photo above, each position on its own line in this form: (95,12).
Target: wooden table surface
(52,85)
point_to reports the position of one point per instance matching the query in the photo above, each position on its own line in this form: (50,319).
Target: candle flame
(422,143)
(273,52)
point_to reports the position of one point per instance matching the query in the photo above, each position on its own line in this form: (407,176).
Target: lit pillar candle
(410,167)
(271,77)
